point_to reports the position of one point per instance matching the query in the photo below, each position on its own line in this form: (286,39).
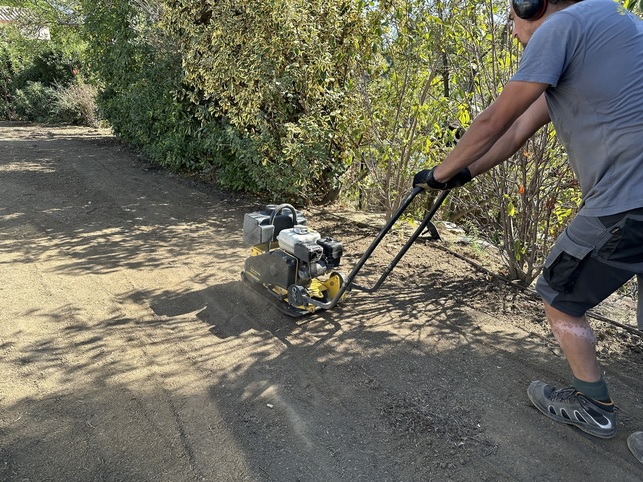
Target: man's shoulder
(592,9)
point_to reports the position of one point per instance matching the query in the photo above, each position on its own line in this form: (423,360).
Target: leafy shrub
(6,78)
(63,104)
(143,97)
(31,70)
(34,102)
(49,68)
(283,76)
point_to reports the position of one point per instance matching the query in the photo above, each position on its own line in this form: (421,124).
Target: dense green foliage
(43,80)
(282,74)
(7,74)
(139,71)
(146,100)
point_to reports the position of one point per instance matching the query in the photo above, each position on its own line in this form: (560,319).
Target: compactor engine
(289,258)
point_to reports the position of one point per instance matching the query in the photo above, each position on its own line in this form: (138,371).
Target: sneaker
(567,405)
(635,443)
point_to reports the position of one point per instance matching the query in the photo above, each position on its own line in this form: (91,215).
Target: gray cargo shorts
(591,259)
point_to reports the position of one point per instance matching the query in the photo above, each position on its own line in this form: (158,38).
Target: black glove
(460,179)
(425,180)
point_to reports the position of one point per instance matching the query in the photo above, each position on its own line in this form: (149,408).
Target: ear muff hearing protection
(529,9)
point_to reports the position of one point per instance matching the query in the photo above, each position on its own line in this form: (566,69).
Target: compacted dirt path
(130,350)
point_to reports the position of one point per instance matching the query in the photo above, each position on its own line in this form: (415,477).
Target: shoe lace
(564,395)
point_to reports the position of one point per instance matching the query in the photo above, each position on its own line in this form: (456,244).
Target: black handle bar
(351,276)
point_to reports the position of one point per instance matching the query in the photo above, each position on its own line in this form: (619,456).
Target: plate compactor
(297,267)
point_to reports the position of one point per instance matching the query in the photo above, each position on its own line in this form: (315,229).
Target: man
(582,69)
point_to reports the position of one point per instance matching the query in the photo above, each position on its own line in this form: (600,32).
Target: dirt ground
(130,349)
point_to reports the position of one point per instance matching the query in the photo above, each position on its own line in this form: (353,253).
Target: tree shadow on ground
(147,359)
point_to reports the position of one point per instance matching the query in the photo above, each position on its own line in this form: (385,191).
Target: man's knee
(563,324)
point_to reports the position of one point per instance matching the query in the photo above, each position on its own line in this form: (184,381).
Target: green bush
(143,97)
(39,81)
(34,102)
(49,68)
(284,78)
(62,104)
(6,79)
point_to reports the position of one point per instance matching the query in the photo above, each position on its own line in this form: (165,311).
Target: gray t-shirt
(591,54)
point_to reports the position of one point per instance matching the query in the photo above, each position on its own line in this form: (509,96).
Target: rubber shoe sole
(573,408)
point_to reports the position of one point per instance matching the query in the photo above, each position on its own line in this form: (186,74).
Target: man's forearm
(502,150)
(477,142)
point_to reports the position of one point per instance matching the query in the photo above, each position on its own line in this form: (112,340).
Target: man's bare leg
(577,340)
(586,404)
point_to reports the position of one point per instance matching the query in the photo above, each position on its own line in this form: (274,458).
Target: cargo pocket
(626,243)
(564,264)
